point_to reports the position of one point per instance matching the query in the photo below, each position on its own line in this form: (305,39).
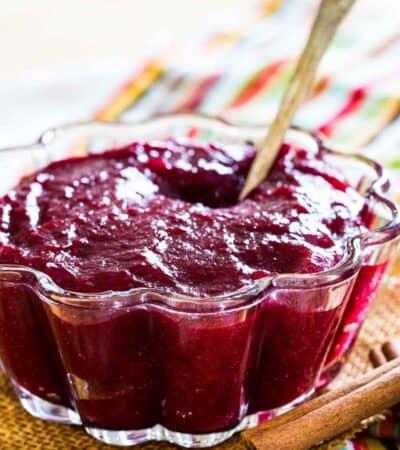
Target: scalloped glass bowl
(145,364)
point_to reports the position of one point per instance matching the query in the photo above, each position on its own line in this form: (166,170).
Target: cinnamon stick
(326,398)
(388,351)
(330,414)
(391,348)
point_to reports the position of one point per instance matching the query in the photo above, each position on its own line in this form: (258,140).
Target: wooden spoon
(329,16)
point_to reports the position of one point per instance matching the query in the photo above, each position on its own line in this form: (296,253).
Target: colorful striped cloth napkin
(239,71)
(383,435)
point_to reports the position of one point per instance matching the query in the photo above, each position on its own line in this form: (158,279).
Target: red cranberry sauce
(165,215)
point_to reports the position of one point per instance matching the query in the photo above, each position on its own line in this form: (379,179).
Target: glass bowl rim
(350,263)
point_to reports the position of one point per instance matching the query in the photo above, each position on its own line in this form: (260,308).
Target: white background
(41,35)
(62,59)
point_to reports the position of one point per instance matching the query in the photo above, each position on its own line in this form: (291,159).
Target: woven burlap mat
(18,430)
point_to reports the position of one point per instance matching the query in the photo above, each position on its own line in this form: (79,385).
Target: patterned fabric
(239,73)
(360,444)
(387,429)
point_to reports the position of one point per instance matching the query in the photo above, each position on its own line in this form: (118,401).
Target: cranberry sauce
(164,215)
(195,373)
(27,347)
(367,283)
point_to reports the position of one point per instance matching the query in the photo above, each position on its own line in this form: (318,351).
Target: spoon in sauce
(328,18)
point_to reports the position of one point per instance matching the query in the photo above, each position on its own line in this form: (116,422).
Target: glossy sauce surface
(165,215)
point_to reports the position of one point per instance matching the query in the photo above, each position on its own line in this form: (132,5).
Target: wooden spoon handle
(329,16)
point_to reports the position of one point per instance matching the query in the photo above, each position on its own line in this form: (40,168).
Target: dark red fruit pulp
(164,215)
